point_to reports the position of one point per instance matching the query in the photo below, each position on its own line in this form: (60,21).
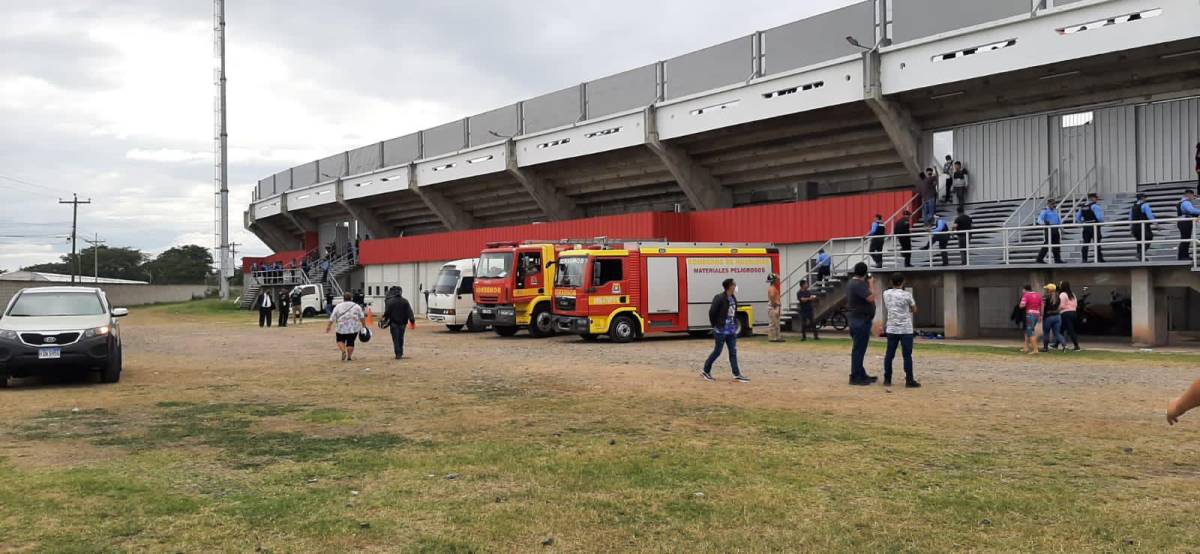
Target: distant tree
(115,263)
(56,267)
(189,264)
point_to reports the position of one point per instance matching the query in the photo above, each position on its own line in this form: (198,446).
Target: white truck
(451,300)
(312,298)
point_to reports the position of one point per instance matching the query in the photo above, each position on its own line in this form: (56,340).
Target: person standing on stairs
(901,230)
(948,171)
(939,234)
(1140,215)
(1186,208)
(877,232)
(961,176)
(927,188)
(1053,235)
(962,231)
(1091,214)
(824,265)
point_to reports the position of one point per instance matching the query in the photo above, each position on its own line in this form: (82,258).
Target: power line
(36,186)
(74,202)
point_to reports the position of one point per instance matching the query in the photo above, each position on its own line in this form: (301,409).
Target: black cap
(1141,196)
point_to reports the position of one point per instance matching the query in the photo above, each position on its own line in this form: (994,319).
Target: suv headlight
(97,332)
(5,334)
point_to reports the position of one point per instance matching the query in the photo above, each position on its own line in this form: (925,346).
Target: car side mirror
(120,312)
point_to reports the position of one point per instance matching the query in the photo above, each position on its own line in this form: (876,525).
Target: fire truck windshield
(493,265)
(570,272)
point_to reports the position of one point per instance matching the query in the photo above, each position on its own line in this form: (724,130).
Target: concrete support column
(1149,309)
(961,307)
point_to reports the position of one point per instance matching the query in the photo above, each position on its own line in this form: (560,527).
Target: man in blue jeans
(860,300)
(722,315)
(900,311)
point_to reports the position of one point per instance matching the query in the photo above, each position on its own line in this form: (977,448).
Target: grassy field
(457,457)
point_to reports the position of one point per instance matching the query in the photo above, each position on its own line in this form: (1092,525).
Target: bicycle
(837,320)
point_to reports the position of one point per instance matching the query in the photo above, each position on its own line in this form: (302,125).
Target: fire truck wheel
(505,331)
(472,326)
(541,323)
(454,328)
(744,329)
(622,329)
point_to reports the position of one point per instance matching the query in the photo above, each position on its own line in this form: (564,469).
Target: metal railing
(978,251)
(811,273)
(1027,210)
(280,277)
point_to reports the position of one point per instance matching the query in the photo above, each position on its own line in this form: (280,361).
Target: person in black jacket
(285,308)
(265,304)
(722,315)
(901,229)
(398,313)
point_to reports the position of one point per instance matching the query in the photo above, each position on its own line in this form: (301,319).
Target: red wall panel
(791,223)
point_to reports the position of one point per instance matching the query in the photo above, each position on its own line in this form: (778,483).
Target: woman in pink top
(1068,306)
(1031,302)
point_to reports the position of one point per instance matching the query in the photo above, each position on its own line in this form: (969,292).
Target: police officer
(901,229)
(1186,208)
(941,236)
(1049,218)
(1091,214)
(878,230)
(1139,214)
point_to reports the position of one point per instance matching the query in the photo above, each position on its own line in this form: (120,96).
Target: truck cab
(312,298)
(513,288)
(592,296)
(452,300)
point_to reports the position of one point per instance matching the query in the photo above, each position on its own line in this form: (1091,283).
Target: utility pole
(74,202)
(222,146)
(233,246)
(95,256)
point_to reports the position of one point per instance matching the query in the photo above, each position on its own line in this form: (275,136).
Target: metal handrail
(976,246)
(1074,195)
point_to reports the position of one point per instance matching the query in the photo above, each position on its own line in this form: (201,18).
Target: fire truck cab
(513,287)
(627,290)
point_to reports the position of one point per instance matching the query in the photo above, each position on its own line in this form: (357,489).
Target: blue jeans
(397,329)
(723,340)
(928,208)
(1053,323)
(905,341)
(860,335)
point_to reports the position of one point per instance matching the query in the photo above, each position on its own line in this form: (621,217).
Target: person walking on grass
(1069,310)
(860,299)
(806,299)
(266,304)
(349,319)
(398,314)
(774,308)
(900,311)
(1186,402)
(297,306)
(285,307)
(722,315)
(1031,302)
(1052,319)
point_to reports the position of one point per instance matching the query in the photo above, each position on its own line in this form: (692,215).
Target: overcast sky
(113,99)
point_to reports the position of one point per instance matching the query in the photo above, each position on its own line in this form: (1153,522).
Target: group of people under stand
(1057,309)
(277,272)
(899,302)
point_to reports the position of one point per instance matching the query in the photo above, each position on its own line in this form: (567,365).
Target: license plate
(436,318)
(487,312)
(49,353)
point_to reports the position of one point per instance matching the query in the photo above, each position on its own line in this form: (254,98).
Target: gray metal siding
(818,38)
(724,64)
(332,167)
(443,139)
(504,121)
(552,110)
(912,19)
(366,158)
(1167,137)
(304,175)
(624,91)
(1116,149)
(1007,159)
(283,181)
(401,150)
(266,187)
(1074,155)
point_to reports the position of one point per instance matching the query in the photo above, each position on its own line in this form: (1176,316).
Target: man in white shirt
(900,311)
(348,317)
(266,304)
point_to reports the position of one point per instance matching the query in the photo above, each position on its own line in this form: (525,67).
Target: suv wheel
(112,371)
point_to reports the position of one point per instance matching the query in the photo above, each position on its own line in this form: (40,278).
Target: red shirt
(1032,302)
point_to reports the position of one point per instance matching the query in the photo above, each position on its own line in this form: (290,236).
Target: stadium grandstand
(799,135)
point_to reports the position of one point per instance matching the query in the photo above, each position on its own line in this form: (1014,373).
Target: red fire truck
(513,286)
(628,290)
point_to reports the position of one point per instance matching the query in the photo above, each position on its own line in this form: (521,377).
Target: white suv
(60,327)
